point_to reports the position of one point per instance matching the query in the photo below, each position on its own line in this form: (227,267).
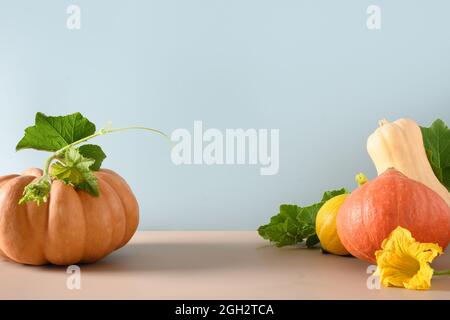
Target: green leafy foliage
(54,133)
(94,152)
(75,169)
(74,165)
(295,224)
(71,163)
(437,145)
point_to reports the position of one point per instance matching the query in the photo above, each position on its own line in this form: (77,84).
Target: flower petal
(421,280)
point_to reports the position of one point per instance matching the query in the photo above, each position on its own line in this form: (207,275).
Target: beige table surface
(209,265)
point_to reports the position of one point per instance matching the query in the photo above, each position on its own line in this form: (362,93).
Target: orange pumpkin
(72,226)
(375,209)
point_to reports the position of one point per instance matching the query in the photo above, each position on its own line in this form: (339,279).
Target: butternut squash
(400,145)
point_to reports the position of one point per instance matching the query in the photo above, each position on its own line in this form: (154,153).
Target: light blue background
(310,68)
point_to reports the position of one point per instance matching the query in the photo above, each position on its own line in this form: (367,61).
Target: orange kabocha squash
(375,209)
(71,227)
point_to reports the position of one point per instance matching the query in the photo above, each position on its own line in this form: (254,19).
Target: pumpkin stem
(442,273)
(48,164)
(361,179)
(383,122)
(106,131)
(101,132)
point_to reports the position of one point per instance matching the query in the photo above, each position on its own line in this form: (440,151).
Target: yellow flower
(404,262)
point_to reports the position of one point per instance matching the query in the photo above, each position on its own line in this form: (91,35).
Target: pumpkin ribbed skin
(374,210)
(71,227)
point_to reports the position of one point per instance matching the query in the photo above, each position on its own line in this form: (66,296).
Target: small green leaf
(90,185)
(74,169)
(291,226)
(94,152)
(312,241)
(308,214)
(54,133)
(288,211)
(436,140)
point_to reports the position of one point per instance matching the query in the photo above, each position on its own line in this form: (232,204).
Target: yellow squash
(400,145)
(326,226)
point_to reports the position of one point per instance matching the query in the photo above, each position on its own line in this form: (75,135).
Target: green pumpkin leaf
(312,241)
(53,133)
(294,224)
(436,140)
(94,152)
